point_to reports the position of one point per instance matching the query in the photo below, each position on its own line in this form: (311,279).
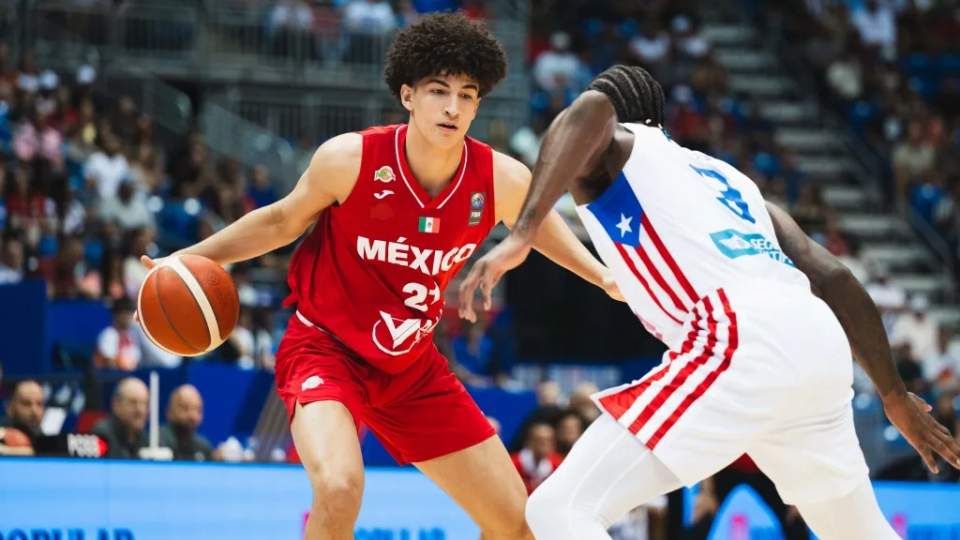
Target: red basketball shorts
(419,414)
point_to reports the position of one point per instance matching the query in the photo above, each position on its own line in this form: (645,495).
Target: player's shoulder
(509,168)
(346,145)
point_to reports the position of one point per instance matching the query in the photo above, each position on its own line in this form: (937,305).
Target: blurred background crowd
(846,112)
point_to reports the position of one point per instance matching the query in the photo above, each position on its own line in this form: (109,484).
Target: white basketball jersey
(676,225)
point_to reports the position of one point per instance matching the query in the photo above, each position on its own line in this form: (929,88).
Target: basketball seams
(160,304)
(176,264)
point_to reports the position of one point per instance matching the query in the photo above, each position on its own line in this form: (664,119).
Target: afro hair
(445,44)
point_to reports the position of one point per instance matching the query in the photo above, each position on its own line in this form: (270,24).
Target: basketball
(188,305)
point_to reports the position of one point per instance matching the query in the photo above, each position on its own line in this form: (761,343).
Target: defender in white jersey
(759,321)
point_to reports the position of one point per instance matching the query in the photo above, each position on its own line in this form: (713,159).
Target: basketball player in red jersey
(397,211)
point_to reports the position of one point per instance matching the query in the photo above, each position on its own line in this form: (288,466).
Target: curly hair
(445,44)
(634,93)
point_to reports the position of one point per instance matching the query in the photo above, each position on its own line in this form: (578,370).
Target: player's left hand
(911,416)
(488,270)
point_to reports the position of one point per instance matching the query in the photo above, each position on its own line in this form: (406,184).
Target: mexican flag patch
(429,224)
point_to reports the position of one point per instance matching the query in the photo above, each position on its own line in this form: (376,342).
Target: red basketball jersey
(373,271)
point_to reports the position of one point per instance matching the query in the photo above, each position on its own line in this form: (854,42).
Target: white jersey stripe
(406,182)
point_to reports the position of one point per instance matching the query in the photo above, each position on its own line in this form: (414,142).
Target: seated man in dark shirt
(123,429)
(184,416)
(24,413)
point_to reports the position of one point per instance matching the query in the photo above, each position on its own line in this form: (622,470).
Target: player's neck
(432,166)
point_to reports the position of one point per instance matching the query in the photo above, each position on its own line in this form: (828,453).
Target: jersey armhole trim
(356,182)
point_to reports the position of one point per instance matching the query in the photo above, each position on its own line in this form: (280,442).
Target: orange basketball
(188,305)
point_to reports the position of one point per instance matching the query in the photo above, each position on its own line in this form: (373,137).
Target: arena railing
(229,45)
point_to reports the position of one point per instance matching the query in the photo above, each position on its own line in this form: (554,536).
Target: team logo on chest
(384,174)
(476,207)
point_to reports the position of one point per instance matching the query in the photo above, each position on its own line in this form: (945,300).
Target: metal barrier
(226,45)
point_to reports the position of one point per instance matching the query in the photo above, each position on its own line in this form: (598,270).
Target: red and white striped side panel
(659,274)
(650,407)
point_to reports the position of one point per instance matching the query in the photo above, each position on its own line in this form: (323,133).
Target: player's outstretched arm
(328,179)
(572,148)
(553,238)
(858,315)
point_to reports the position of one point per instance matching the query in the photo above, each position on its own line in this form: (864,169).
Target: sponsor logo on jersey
(733,244)
(396,336)
(311,382)
(428,224)
(476,207)
(429,261)
(383,194)
(384,174)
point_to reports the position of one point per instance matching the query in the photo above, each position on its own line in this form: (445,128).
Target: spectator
(369,17)
(582,403)
(123,430)
(290,26)
(538,458)
(117,346)
(689,41)
(943,364)
(569,427)
(846,77)
(913,159)
(916,330)
(36,138)
(888,296)
(239,347)
(474,348)
(107,168)
(11,261)
(128,209)
(25,409)
(558,68)
(261,192)
(651,47)
(877,26)
(548,410)
(184,416)
(139,242)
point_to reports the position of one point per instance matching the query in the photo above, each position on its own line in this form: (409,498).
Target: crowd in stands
(122,430)
(892,69)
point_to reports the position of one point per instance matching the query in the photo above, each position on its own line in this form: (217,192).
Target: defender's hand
(487,271)
(911,416)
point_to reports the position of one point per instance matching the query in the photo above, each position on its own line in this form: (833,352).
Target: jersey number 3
(730,196)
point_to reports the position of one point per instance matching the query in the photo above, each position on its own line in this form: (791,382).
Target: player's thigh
(814,459)
(326,437)
(484,482)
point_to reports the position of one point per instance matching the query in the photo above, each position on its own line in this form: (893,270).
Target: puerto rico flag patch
(429,224)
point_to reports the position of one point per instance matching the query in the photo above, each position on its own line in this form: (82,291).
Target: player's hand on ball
(911,416)
(487,271)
